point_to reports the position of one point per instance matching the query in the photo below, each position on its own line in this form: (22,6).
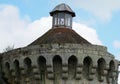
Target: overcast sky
(23,21)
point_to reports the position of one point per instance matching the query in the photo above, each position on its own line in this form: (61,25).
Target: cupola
(61,31)
(62,16)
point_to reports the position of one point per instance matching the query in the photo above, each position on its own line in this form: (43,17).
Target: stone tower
(60,56)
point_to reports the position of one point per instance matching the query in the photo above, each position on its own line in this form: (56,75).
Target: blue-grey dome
(62,8)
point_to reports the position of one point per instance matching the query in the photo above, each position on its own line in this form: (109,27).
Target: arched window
(57,68)
(8,72)
(101,68)
(28,67)
(72,64)
(111,77)
(42,69)
(87,67)
(7,67)
(17,71)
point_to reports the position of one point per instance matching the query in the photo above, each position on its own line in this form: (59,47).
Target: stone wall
(60,64)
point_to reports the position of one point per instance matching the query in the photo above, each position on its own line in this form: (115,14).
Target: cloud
(11,26)
(87,32)
(20,32)
(116,44)
(100,8)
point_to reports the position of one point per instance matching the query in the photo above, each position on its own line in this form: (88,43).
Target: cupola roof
(62,8)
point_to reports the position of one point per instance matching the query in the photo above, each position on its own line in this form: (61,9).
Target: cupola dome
(61,31)
(62,16)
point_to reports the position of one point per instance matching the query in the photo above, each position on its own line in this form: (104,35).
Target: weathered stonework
(77,64)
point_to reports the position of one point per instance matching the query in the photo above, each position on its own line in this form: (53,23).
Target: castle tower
(60,56)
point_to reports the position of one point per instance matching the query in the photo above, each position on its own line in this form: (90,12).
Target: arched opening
(17,71)
(72,64)
(101,68)
(42,69)
(87,67)
(111,77)
(7,67)
(8,77)
(28,69)
(57,68)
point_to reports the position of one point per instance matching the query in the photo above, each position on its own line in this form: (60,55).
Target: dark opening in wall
(7,73)
(72,64)
(87,67)
(57,68)
(28,69)
(17,71)
(101,68)
(111,76)
(42,69)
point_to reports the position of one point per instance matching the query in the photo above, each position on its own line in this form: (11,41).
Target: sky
(23,21)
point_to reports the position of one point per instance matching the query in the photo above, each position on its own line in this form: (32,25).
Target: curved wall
(60,64)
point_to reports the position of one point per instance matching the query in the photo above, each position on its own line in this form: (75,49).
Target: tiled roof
(60,35)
